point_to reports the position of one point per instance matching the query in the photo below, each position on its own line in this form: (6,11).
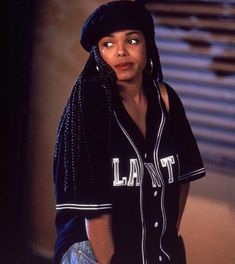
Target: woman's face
(125,52)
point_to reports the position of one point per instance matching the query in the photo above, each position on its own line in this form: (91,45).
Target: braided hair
(72,130)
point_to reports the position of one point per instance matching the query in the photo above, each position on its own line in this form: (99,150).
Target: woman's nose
(121,50)
(122,53)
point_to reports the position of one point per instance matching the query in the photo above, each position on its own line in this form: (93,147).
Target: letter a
(134,173)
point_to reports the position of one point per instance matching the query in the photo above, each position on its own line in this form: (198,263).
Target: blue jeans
(79,253)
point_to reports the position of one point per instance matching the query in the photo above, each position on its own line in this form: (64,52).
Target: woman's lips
(123,66)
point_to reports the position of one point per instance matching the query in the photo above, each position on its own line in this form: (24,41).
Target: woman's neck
(131,91)
(135,103)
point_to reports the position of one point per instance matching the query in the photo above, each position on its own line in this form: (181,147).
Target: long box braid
(72,131)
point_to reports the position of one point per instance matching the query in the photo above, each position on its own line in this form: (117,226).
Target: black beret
(115,16)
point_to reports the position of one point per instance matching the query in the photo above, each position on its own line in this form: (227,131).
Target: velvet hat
(115,16)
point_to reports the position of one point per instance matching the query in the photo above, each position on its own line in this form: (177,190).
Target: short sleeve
(189,158)
(80,194)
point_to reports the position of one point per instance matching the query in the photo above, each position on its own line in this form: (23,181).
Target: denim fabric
(79,253)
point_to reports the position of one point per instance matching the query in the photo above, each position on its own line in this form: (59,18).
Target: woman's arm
(99,232)
(184,190)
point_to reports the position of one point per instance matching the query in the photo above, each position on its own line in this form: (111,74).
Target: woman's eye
(133,41)
(107,44)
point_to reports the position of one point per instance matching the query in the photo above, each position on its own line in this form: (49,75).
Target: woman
(125,153)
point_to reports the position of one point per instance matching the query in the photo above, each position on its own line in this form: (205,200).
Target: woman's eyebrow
(109,35)
(132,32)
(127,34)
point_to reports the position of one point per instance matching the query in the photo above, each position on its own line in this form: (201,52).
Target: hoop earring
(151,67)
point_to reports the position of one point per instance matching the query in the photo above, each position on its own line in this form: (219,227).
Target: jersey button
(145,155)
(160,258)
(155,193)
(156,224)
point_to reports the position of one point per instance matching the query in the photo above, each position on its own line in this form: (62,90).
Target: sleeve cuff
(84,207)
(193,175)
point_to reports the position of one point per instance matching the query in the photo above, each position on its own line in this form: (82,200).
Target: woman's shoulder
(171,98)
(166,88)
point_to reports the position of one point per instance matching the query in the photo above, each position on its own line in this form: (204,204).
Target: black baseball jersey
(142,190)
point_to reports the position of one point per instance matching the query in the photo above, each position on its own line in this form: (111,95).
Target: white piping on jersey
(83,206)
(144,260)
(178,162)
(156,162)
(192,173)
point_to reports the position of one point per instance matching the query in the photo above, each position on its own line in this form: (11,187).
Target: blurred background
(196,41)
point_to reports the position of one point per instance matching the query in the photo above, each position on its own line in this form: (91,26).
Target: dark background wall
(21,22)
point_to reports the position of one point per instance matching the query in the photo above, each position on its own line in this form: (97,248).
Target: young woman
(125,153)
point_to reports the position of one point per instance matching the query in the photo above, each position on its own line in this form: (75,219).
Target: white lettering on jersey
(134,173)
(117,181)
(167,162)
(156,182)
